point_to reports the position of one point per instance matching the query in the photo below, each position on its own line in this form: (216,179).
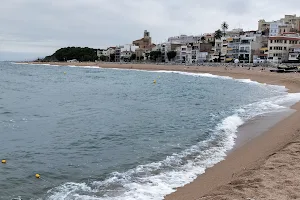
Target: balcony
(244,51)
(245,42)
(233,51)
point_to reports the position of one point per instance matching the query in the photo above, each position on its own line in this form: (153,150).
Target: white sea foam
(155,180)
(90,67)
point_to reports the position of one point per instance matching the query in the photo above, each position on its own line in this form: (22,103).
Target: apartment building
(110,50)
(101,52)
(263,25)
(234,32)
(294,53)
(118,54)
(209,37)
(292,19)
(193,52)
(250,42)
(261,55)
(126,55)
(279,47)
(290,23)
(233,45)
(184,39)
(240,46)
(182,53)
(275,28)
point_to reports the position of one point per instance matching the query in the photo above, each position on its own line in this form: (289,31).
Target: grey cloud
(42,26)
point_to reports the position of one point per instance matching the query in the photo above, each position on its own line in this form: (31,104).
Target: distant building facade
(144,43)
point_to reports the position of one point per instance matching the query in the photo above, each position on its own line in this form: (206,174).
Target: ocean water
(107,134)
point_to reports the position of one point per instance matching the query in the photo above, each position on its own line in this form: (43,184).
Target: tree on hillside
(112,57)
(224,27)
(133,56)
(103,58)
(155,55)
(147,55)
(203,39)
(218,34)
(78,53)
(266,32)
(171,55)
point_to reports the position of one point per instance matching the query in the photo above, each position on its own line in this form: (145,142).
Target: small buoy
(65,72)
(154,81)
(37,176)
(3,161)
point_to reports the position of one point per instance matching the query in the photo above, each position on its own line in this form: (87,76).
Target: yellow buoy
(154,81)
(65,72)
(3,161)
(37,176)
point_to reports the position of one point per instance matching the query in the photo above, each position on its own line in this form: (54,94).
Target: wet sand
(266,167)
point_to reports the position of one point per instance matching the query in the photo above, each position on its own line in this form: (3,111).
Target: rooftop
(284,38)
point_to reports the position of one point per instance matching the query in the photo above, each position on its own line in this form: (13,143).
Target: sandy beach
(266,167)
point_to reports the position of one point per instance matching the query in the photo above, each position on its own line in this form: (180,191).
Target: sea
(110,134)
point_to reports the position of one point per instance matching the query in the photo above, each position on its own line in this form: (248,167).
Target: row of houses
(276,41)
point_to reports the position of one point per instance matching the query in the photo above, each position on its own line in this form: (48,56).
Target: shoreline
(238,175)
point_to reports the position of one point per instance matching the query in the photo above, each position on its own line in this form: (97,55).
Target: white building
(275,28)
(294,52)
(129,47)
(183,39)
(279,47)
(164,48)
(110,50)
(250,42)
(196,56)
(190,54)
(101,52)
(125,55)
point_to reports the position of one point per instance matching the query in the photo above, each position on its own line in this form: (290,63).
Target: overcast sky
(36,28)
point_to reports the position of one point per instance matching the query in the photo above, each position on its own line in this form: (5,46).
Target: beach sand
(266,167)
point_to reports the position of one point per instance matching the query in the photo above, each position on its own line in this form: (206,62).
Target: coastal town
(150,100)
(276,41)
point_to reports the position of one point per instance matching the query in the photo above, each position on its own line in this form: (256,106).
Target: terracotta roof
(284,38)
(138,40)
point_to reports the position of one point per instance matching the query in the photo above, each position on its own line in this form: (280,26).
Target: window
(284,41)
(284,48)
(270,48)
(271,41)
